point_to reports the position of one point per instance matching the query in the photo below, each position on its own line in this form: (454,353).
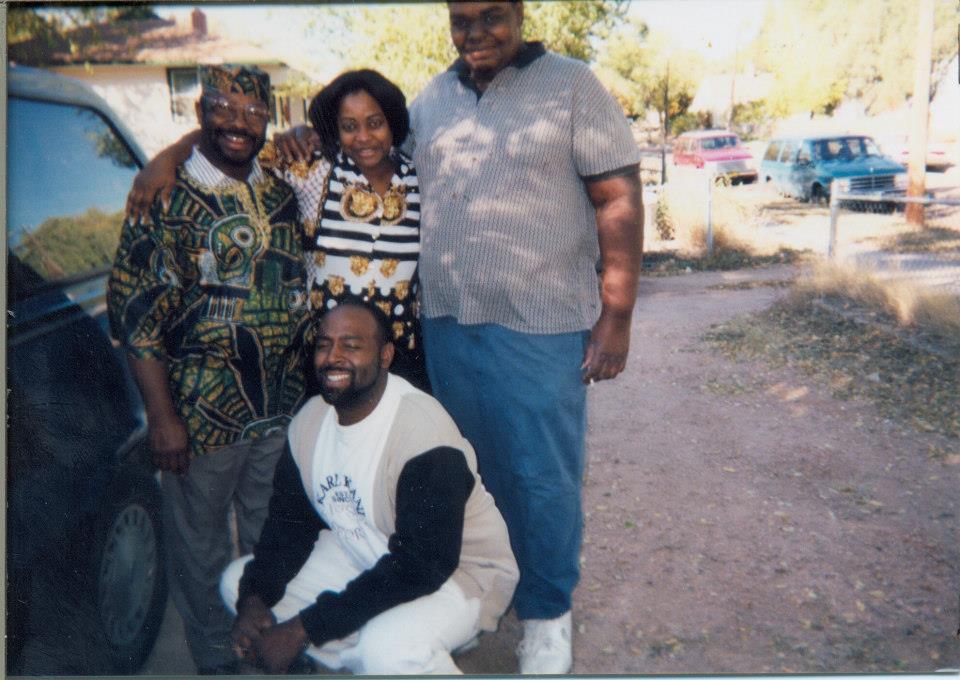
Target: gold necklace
(360,203)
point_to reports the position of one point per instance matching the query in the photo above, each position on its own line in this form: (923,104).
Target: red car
(718,151)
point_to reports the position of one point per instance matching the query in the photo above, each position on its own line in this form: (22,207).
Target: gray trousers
(197,533)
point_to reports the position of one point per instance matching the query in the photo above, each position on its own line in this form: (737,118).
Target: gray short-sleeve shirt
(508,232)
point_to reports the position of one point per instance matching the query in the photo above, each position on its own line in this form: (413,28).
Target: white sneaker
(545,648)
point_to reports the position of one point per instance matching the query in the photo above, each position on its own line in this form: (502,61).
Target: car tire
(818,196)
(128,570)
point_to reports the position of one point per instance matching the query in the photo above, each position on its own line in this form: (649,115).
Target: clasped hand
(258,639)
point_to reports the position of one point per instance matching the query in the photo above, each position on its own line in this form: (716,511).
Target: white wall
(139,95)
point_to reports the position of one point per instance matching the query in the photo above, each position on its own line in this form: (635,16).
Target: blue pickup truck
(805,167)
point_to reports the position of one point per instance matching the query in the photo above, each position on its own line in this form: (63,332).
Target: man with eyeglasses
(207,297)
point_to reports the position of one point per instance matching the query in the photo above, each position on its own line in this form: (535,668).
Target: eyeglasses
(258,114)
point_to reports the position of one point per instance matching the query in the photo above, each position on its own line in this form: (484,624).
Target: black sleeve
(625,171)
(432,494)
(287,538)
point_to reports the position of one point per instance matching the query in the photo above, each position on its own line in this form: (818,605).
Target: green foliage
(689,120)
(639,66)
(750,119)
(410,43)
(570,27)
(23,23)
(52,27)
(666,227)
(66,246)
(824,51)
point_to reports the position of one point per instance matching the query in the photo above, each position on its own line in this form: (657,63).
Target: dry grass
(861,338)
(908,306)
(736,214)
(733,216)
(936,239)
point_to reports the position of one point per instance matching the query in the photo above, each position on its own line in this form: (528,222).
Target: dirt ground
(741,520)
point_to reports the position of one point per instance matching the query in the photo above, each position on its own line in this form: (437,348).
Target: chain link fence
(927,256)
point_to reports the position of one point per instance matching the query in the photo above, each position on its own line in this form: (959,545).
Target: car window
(726,142)
(870,147)
(68,176)
(773,151)
(857,147)
(832,149)
(804,156)
(789,151)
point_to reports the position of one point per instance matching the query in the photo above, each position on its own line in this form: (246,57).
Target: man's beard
(354,393)
(224,156)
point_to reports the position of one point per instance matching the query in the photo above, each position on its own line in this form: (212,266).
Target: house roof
(143,41)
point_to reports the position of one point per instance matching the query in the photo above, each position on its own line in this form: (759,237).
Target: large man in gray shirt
(529,178)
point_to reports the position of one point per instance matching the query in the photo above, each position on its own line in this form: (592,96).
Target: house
(146,69)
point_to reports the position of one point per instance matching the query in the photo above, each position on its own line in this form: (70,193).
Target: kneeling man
(382,551)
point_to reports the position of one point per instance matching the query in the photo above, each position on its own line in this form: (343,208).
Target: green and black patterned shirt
(215,287)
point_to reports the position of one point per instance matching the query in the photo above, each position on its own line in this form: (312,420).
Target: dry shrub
(734,217)
(908,304)
(939,312)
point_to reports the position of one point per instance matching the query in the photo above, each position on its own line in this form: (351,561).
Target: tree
(825,51)
(50,30)
(638,66)
(572,28)
(410,43)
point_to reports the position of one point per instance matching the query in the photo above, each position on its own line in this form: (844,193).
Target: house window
(184,91)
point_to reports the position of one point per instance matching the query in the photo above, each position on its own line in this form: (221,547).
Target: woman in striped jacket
(358,201)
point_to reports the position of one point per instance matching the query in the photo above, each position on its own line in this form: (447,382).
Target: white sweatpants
(412,638)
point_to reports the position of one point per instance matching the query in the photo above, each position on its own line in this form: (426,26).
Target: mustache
(323,370)
(235,132)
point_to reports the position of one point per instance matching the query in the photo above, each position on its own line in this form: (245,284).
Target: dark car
(805,167)
(86,587)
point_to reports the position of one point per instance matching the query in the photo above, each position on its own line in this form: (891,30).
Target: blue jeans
(519,400)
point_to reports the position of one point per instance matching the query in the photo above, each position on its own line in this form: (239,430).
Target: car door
(803,171)
(70,403)
(786,168)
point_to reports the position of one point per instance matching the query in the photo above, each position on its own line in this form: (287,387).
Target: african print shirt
(215,287)
(357,243)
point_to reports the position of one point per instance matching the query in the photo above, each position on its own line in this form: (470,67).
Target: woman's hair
(325,107)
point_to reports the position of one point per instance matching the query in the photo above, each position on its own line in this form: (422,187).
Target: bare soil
(742,519)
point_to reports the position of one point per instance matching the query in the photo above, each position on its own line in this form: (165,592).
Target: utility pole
(920,113)
(733,86)
(666,127)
